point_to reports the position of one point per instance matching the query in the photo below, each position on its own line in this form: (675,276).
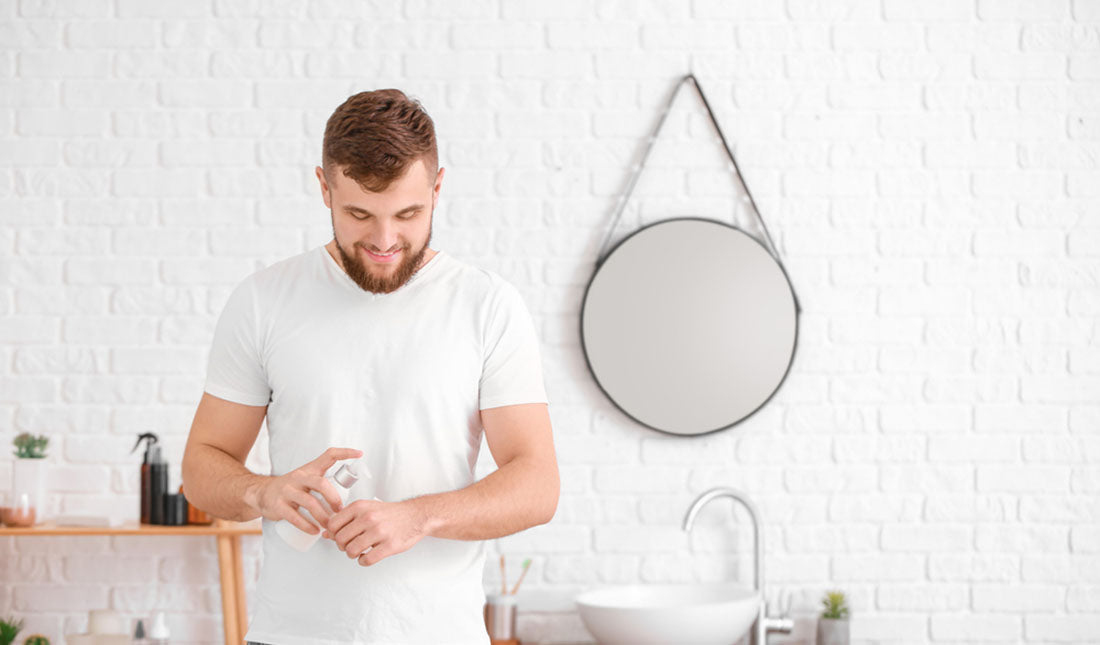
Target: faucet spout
(758,555)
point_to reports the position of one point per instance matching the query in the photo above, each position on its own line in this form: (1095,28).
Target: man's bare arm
(214,476)
(520,494)
(216,480)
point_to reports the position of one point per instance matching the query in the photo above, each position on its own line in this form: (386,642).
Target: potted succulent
(9,629)
(30,453)
(832,627)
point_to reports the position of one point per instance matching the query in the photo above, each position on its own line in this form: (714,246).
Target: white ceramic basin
(695,614)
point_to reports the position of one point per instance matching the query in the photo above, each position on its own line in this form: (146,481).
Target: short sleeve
(511,372)
(235,370)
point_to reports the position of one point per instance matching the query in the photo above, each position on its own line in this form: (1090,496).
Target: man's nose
(384,238)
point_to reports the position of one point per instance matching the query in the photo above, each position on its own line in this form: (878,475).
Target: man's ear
(438,186)
(326,195)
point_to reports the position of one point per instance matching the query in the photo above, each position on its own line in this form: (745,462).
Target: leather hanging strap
(600,257)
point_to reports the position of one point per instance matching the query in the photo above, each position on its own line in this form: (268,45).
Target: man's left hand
(384,528)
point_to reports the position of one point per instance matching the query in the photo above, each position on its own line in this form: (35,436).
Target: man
(377,348)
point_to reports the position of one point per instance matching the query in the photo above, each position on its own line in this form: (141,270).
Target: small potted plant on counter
(832,627)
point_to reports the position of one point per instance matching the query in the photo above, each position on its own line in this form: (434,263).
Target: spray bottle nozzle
(151,448)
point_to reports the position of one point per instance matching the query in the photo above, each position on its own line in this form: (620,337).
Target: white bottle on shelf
(159,634)
(343,479)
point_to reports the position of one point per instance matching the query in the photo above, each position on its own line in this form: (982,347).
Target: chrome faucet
(763,623)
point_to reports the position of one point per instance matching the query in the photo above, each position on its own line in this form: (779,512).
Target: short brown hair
(375,136)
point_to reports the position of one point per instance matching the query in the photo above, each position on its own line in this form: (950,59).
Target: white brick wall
(928,170)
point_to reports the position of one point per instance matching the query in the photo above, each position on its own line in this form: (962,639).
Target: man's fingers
(308,502)
(331,456)
(359,545)
(295,517)
(328,490)
(374,556)
(340,519)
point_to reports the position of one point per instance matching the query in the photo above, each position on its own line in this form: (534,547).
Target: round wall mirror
(689,325)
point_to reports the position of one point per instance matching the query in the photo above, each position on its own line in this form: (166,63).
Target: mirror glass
(689,325)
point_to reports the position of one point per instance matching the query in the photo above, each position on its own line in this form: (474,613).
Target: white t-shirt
(400,376)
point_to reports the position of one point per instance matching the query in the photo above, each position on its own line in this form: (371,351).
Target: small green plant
(9,628)
(36,639)
(836,605)
(28,446)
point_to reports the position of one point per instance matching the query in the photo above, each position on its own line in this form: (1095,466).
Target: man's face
(396,221)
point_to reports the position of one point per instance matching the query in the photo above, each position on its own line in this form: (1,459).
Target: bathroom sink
(659,614)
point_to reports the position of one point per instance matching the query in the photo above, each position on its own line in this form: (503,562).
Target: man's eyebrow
(407,209)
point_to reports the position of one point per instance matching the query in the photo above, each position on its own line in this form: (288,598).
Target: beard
(380,278)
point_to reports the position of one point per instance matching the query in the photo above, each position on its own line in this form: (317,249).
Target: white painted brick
(590,570)
(934,599)
(63,64)
(879,449)
(967,626)
(807,479)
(497,36)
(639,479)
(979,568)
(856,36)
(969,508)
(59,360)
(285,34)
(974,449)
(925,538)
(1010,598)
(1085,480)
(591,36)
(61,123)
(1023,10)
(937,10)
(157,360)
(204,34)
(1083,67)
(28,94)
(205,93)
(168,64)
(31,568)
(1059,568)
(864,567)
(89,271)
(548,539)
(1062,628)
(61,418)
(1083,599)
(111,33)
(109,153)
(165,124)
(52,597)
(31,33)
(832,539)
(64,8)
(72,241)
(633,540)
(108,389)
(252,64)
(1059,508)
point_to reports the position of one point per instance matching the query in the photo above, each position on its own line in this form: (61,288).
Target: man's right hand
(282,497)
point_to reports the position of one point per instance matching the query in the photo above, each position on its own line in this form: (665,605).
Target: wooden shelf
(219,527)
(227,535)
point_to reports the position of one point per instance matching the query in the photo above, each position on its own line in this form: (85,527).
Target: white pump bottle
(343,479)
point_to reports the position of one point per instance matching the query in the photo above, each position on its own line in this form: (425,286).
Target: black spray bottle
(154,479)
